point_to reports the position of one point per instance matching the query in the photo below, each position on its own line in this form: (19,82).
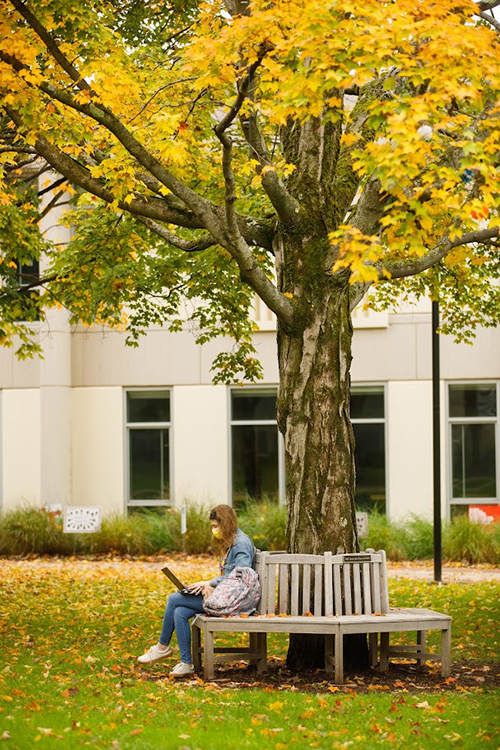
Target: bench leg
(258,644)
(329,639)
(339,658)
(373,648)
(421,643)
(196,645)
(262,648)
(209,667)
(384,652)
(446,652)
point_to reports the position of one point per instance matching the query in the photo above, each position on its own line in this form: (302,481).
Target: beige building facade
(97,423)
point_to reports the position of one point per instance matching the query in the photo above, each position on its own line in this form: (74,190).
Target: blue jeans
(180,608)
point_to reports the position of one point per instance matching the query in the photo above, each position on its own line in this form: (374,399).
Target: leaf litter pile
(70,632)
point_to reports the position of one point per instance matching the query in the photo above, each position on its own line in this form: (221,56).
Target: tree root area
(400,677)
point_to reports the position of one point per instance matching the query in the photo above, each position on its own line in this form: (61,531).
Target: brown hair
(228,523)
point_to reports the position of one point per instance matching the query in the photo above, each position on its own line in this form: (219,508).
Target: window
(148,442)
(368,420)
(473,424)
(257,456)
(29,274)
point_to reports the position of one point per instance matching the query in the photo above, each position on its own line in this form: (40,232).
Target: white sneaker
(182,670)
(155,654)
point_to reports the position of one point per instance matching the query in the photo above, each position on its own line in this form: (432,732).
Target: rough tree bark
(313,416)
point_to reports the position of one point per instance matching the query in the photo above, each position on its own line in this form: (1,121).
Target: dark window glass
(473,401)
(29,273)
(367,405)
(370,467)
(148,406)
(255,463)
(29,303)
(254,406)
(149,466)
(473,460)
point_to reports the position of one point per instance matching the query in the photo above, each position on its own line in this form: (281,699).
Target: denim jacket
(240,555)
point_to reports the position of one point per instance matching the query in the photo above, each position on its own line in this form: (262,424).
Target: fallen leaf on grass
(424,704)
(5,735)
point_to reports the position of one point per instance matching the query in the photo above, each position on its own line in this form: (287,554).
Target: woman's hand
(200,587)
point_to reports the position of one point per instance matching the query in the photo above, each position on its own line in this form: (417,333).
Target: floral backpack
(237,594)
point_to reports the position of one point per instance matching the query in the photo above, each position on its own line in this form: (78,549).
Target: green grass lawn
(69,637)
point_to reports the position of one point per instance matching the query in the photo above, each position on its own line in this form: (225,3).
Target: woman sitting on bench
(235,549)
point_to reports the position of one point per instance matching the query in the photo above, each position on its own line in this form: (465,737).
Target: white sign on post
(362,523)
(85,520)
(183,519)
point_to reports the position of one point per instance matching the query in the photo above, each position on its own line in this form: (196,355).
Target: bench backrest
(323,585)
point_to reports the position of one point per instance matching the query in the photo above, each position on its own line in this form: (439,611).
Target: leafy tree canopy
(191,135)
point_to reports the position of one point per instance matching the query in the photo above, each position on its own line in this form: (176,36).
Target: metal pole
(436,443)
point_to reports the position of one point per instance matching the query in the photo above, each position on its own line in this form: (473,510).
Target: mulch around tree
(401,677)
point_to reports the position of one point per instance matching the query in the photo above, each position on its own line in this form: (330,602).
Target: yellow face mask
(216,532)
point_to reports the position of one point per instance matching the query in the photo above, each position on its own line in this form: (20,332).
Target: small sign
(82,520)
(362,523)
(183,520)
(357,558)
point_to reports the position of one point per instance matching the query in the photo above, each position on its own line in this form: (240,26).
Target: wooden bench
(332,595)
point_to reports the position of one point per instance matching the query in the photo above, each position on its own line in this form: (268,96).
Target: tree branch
(402,270)
(488,4)
(51,204)
(490,19)
(189,246)
(17,150)
(287,208)
(250,270)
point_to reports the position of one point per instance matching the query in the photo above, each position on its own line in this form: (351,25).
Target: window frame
(270,389)
(129,503)
(450,421)
(382,388)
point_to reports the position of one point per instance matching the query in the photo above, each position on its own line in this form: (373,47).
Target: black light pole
(436,442)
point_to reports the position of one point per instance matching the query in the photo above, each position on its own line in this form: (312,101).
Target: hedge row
(37,531)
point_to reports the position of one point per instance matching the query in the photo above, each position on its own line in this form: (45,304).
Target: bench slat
(271,587)
(347,590)
(337,586)
(318,589)
(262,570)
(357,588)
(283,589)
(367,585)
(384,588)
(294,606)
(289,558)
(328,584)
(306,589)
(376,587)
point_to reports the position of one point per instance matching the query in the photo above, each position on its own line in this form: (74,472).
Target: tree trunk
(314,418)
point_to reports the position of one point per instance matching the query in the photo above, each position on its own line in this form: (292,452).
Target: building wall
(200,444)
(98,455)
(20,445)
(63,419)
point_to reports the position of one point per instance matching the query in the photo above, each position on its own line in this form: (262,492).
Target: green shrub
(33,531)
(383,534)
(471,542)
(416,538)
(145,532)
(265,524)
(198,537)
